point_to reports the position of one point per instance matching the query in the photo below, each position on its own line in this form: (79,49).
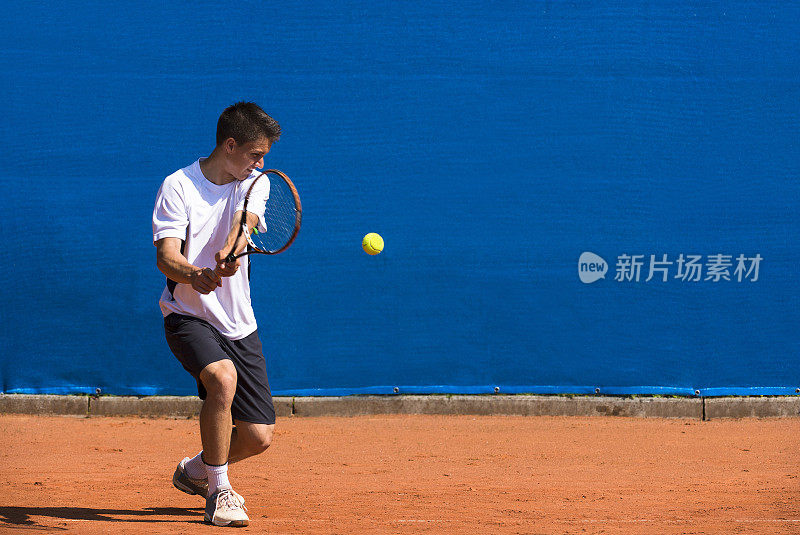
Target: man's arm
(175,266)
(232,244)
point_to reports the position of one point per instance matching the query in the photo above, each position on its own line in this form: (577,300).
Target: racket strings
(279,215)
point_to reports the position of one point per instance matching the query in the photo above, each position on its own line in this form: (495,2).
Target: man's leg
(248,439)
(219,379)
(223,506)
(205,354)
(253,409)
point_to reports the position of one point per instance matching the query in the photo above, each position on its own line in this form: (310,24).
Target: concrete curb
(172,406)
(522,405)
(500,405)
(766,407)
(161,406)
(43,404)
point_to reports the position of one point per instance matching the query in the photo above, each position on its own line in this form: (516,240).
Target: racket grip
(230,257)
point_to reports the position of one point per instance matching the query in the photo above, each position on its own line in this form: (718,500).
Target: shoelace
(228,499)
(238,497)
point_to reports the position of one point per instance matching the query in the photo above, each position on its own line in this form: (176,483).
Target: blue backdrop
(491,144)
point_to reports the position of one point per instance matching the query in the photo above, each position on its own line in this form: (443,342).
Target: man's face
(243,159)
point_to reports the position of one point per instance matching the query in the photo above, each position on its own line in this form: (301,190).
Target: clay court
(414,474)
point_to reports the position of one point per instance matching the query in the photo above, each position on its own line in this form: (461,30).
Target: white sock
(195,467)
(217,478)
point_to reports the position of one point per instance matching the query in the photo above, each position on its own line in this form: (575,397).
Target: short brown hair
(246,122)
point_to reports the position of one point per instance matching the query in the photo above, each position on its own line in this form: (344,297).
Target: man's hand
(205,280)
(226,269)
(235,243)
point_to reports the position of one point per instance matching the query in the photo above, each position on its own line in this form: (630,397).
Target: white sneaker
(189,485)
(226,508)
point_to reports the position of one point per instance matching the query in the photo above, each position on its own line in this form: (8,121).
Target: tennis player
(208,319)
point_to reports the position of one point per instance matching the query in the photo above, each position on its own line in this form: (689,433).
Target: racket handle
(230,257)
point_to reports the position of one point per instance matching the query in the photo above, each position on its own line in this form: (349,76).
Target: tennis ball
(372,243)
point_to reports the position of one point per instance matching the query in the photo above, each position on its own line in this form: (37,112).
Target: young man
(208,319)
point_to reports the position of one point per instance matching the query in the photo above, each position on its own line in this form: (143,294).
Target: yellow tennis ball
(372,243)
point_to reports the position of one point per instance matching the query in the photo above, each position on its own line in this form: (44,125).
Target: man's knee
(259,438)
(219,379)
(263,438)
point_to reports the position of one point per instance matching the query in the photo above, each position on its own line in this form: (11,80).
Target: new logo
(591,267)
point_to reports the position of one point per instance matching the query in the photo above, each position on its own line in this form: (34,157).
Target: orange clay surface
(413,474)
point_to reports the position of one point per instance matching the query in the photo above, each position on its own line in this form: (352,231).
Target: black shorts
(196,344)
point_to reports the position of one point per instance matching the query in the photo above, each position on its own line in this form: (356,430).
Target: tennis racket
(282,216)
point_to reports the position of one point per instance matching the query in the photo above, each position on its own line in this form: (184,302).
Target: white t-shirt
(192,208)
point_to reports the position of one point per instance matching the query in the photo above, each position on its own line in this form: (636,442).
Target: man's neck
(213,170)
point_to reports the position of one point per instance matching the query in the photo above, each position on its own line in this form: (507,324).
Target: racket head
(283,215)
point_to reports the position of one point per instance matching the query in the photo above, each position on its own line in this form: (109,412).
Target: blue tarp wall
(492,144)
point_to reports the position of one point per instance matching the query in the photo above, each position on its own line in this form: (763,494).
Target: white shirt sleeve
(170,217)
(258,199)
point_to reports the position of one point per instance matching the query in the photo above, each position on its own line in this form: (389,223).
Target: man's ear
(230,145)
